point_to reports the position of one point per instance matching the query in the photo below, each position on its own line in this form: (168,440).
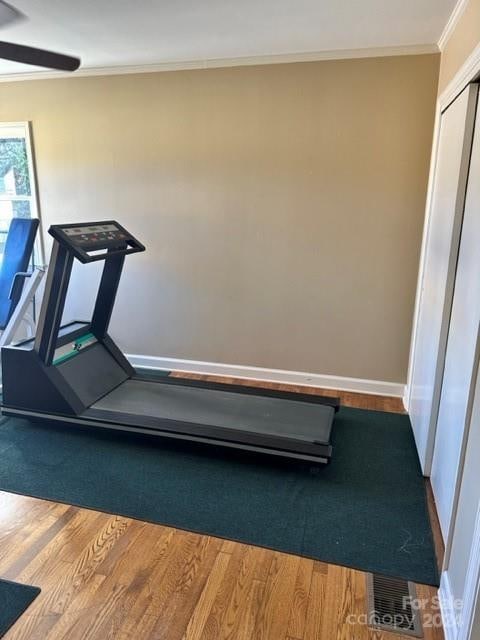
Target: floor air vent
(390,605)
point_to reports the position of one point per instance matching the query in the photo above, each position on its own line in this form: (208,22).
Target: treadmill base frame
(79,421)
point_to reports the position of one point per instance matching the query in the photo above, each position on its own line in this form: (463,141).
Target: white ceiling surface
(107,33)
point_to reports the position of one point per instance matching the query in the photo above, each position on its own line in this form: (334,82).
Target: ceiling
(111,33)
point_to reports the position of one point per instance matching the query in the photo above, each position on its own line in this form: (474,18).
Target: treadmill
(76,374)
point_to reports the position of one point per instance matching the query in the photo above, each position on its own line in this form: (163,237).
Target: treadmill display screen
(96,240)
(99,228)
(95,235)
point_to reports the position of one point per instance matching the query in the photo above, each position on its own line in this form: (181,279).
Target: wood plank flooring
(347,398)
(109,577)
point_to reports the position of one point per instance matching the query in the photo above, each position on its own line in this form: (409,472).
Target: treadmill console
(92,241)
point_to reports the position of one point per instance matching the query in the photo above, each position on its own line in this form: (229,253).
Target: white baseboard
(376,387)
(447,607)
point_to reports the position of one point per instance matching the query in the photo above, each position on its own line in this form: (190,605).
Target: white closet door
(455,140)
(461,354)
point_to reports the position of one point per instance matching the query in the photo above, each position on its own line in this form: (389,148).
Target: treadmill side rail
(319,456)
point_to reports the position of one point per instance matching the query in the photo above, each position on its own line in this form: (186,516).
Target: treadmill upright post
(107,292)
(53,303)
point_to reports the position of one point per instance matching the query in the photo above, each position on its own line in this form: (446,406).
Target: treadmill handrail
(123,246)
(85,257)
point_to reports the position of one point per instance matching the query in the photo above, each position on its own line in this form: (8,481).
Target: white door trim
(458,615)
(463,112)
(471,594)
(421,268)
(467,72)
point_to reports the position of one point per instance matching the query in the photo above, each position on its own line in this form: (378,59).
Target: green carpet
(14,599)
(367,509)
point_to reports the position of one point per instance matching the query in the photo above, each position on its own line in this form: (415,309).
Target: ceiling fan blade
(38,57)
(8,14)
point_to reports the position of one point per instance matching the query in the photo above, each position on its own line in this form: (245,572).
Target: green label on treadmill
(71,350)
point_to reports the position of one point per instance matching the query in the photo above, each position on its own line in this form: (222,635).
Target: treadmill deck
(258,421)
(295,420)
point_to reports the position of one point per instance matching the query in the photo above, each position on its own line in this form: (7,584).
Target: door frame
(469,72)
(470,94)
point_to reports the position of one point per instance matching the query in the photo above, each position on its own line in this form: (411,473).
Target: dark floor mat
(366,509)
(14,600)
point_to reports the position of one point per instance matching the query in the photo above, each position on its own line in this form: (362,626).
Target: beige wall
(461,43)
(282,206)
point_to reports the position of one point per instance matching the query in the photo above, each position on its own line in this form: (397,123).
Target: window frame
(33,198)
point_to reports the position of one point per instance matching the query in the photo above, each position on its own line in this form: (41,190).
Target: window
(18,198)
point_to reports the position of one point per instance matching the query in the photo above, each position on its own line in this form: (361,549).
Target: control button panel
(90,241)
(93,235)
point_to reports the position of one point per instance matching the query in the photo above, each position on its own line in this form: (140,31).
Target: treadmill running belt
(301,421)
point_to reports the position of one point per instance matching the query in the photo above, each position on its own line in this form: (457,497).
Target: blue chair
(14,269)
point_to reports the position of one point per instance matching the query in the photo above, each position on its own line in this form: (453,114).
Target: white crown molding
(315,56)
(358,385)
(452,23)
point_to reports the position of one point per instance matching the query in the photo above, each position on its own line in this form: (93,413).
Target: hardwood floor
(109,577)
